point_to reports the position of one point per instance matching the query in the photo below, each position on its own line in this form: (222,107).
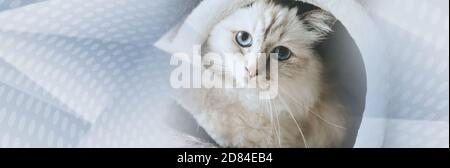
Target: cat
(305,113)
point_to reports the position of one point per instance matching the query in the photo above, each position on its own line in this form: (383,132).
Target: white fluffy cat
(305,113)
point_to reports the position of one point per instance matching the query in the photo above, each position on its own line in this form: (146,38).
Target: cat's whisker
(275,125)
(296,123)
(314,114)
(272,125)
(328,122)
(278,122)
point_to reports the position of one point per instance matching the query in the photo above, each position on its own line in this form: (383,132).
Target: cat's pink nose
(252,72)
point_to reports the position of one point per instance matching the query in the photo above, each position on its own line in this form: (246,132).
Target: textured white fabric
(85,73)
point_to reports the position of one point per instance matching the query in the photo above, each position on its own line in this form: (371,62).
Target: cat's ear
(320,21)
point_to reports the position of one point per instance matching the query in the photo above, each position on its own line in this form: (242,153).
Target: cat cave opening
(345,52)
(346,69)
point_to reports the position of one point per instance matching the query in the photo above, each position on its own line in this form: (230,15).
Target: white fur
(305,113)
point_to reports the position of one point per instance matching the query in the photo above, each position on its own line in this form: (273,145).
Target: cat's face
(265,30)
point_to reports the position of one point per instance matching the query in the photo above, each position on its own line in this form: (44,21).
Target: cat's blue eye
(281,53)
(244,39)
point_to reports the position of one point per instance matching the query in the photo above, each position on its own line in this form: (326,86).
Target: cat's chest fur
(231,124)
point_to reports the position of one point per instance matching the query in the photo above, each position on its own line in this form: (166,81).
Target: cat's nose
(252,72)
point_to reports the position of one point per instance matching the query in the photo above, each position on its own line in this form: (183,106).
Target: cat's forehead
(262,16)
(269,24)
